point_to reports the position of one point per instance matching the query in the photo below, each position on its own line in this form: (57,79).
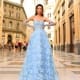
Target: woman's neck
(38,15)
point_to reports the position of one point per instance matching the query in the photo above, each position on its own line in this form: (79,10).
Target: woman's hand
(24,21)
(27,20)
(52,23)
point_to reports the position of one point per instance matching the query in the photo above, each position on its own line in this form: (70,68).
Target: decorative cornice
(15,4)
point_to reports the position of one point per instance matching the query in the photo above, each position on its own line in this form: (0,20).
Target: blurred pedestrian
(16,46)
(19,46)
(24,46)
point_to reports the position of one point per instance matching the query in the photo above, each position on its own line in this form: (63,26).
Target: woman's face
(39,10)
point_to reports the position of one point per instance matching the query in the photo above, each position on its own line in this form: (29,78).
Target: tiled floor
(10,70)
(9,76)
(67,73)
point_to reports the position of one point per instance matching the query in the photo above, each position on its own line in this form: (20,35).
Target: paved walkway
(10,69)
(66,70)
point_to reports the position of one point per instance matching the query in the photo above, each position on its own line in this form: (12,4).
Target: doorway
(71,33)
(64,35)
(9,38)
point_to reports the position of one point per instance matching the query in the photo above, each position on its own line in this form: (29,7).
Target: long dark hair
(41,7)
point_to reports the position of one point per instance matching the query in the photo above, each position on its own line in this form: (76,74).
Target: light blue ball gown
(38,63)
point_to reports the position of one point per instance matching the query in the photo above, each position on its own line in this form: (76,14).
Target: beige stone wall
(13,17)
(67,16)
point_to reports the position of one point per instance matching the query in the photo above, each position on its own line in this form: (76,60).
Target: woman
(38,63)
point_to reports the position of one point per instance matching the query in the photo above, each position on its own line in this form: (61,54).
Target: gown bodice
(38,24)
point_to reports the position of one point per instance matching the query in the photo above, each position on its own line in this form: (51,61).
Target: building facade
(67,29)
(48,12)
(44,2)
(12,26)
(1,18)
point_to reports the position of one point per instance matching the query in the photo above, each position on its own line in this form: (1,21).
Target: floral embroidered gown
(38,63)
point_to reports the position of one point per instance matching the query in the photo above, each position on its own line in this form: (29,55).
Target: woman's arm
(25,22)
(29,19)
(51,23)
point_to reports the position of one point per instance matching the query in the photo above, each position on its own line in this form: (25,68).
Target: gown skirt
(38,62)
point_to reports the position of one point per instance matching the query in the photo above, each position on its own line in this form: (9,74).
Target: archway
(9,38)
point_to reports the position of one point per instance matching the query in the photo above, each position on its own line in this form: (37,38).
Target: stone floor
(10,68)
(66,70)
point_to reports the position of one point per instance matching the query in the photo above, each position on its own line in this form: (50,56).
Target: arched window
(17,15)
(10,14)
(4,23)
(17,36)
(10,24)
(17,27)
